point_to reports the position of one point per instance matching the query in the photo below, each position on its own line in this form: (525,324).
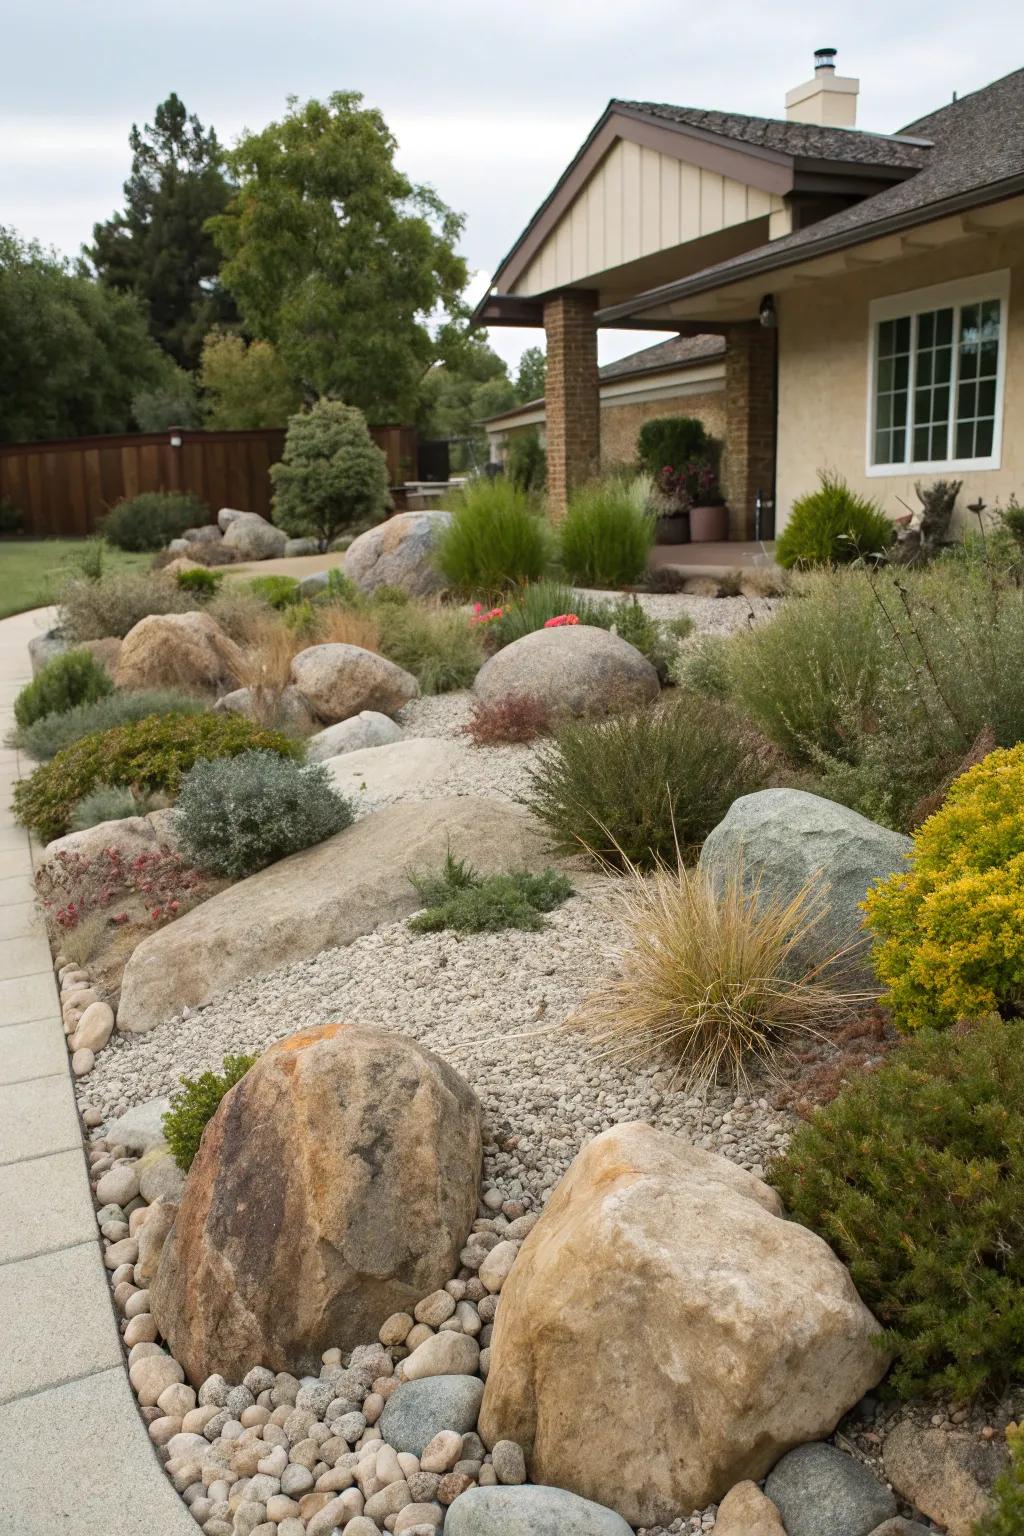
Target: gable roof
(976,156)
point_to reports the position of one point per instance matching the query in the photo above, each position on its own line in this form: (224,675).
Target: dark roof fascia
(774,260)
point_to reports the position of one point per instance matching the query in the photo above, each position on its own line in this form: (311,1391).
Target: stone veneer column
(748,463)
(571,395)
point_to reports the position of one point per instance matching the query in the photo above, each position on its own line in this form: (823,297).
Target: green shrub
(460,899)
(151,754)
(236,815)
(526,461)
(435,644)
(657,639)
(831,526)
(668,441)
(115,602)
(607,534)
(279,591)
(12,519)
(915,1176)
(1006,1515)
(106,802)
(151,520)
(703,666)
(331,475)
(76,677)
(202,583)
(194,1105)
(342,589)
(950,930)
(46,737)
(640,785)
(497,539)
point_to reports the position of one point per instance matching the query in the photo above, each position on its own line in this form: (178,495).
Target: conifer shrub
(194,1104)
(46,737)
(915,1176)
(73,678)
(669,441)
(1006,1515)
(949,932)
(832,526)
(457,897)
(238,814)
(152,754)
(331,476)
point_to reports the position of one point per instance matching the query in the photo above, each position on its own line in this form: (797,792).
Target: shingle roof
(807,140)
(978,142)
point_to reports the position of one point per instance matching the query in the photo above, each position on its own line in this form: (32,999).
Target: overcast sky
(488,102)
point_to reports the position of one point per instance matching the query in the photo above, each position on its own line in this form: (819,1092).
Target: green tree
(338,259)
(73,354)
(158,247)
(531,380)
(455,397)
(245,383)
(171,403)
(332,474)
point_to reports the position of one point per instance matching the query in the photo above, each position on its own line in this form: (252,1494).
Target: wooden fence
(65,487)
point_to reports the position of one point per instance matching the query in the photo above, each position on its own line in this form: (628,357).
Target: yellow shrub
(950,931)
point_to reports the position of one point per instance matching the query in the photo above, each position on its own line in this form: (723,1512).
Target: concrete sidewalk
(74,1453)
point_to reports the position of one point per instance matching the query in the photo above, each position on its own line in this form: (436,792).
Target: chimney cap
(825,58)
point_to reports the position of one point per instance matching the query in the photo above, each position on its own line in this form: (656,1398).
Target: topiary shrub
(639,787)
(607,533)
(670,441)
(46,737)
(107,802)
(831,526)
(152,519)
(915,1176)
(152,754)
(950,931)
(497,539)
(76,677)
(194,1105)
(332,473)
(237,815)
(460,899)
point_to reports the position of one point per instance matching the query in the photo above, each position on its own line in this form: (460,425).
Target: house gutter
(774,261)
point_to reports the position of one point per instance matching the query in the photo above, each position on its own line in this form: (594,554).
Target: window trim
(897,306)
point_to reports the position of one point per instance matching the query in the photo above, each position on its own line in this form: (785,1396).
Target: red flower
(560,620)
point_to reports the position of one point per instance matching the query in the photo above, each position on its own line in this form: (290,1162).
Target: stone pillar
(572,400)
(748,462)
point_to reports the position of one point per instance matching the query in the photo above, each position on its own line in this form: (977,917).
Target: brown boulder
(335,1185)
(947,1475)
(338,681)
(662,1283)
(179,650)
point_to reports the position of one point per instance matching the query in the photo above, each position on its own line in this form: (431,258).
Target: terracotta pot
(709,525)
(673,528)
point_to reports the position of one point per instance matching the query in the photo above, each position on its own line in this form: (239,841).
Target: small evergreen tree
(332,474)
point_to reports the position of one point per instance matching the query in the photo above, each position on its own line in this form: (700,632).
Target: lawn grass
(31,568)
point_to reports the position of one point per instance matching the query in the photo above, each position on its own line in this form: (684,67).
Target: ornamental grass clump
(497,539)
(460,899)
(74,678)
(607,534)
(633,789)
(709,980)
(194,1104)
(915,1176)
(236,815)
(949,932)
(432,642)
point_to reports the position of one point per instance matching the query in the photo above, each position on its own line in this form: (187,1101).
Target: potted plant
(672,505)
(709,516)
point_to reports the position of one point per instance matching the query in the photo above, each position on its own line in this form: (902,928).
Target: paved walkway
(74,1453)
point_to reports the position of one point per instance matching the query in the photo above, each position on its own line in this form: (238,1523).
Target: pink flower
(560,620)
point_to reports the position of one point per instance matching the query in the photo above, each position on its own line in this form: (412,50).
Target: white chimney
(828,99)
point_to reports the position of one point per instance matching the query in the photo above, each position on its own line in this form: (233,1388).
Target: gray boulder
(367,729)
(227,515)
(315,582)
(178,546)
(253,538)
(530,1511)
(292,713)
(575,669)
(947,1475)
(419,1410)
(785,837)
(819,1489)
(338,681)
(302,547)
(209,533)
(399,553)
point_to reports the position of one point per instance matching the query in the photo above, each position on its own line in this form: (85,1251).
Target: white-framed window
(937,359)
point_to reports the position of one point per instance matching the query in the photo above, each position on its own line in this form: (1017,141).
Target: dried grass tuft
(336,625)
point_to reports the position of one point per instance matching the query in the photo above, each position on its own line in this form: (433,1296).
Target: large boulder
(252,537)
(318,899)
(130,836)
(574,669)
(228,515)
(367,729)
(947,1475)
(784,838)
(530,1511)
(290,711)
(338,681)
(335,1185)
(397,770)
(663,1283)
(208,533)
(399,553)
(294,547)
(179,650)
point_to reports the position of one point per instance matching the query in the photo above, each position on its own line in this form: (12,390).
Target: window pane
(922,444)
(983,439)
(892,372)
(926,330)
(944,327)
(902,331)
(965,440)
(978,340)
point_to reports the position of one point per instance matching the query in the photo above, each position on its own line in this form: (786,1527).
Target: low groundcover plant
(458,898)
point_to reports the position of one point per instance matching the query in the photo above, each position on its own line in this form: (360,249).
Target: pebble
(118,1185)
(509,1462)
(442,1452)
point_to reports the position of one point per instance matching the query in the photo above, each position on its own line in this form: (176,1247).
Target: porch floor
(711,559)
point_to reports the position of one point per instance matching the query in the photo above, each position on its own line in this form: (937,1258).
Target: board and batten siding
(638,202)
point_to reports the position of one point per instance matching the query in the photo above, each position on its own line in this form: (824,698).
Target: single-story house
(681,377)
(869,287)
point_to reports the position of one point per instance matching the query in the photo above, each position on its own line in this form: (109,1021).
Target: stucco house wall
(824,349)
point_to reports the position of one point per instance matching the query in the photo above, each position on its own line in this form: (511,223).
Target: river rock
(770,1343)
(745,1511)
(820,1488)
(418,1410)
(140,1127)
(338,681)
(399,553)
(179,650)
(367,729)
(576,669)
(361,1146)
(530,1511)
